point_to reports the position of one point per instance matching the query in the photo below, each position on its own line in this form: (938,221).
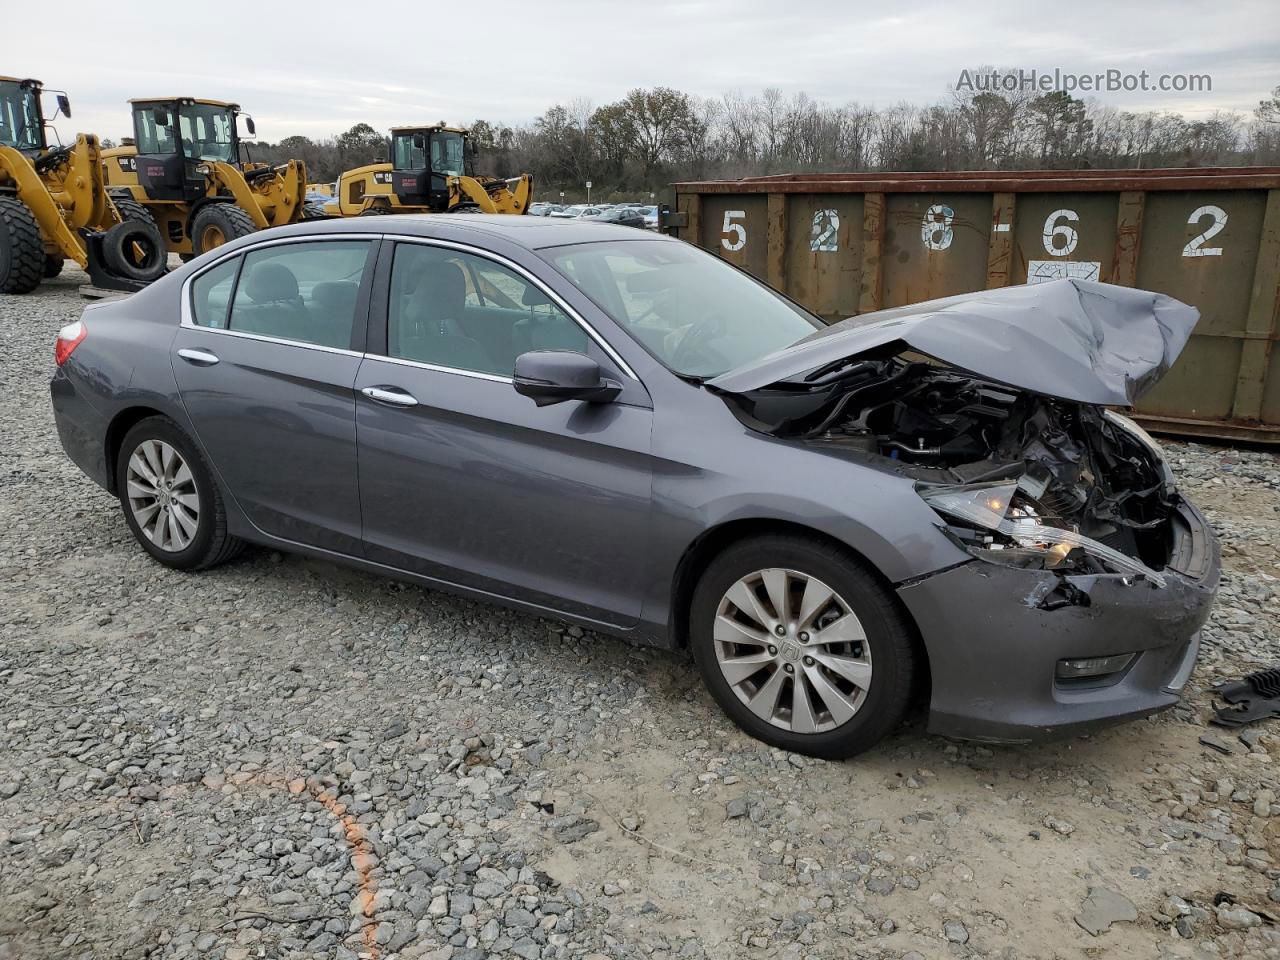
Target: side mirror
(64,104)
(248,125)
(161,116)
(553,376)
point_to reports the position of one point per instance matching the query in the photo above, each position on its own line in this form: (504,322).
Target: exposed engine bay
(1021,479)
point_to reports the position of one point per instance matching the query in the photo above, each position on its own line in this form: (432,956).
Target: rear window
(305,292)
(211,294)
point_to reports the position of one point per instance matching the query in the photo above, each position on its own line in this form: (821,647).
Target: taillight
(69,337)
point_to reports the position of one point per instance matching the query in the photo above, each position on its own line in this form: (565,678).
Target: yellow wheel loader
(184,165)
(427,174)
(54,205)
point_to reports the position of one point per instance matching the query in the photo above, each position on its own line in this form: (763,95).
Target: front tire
(22,256)
(169,498)
(219,223)
(802,646)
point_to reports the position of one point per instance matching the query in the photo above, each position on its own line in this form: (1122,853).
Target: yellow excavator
(428,173)
(54,205)
(184,165)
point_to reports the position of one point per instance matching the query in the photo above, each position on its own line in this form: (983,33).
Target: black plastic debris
(1255,697)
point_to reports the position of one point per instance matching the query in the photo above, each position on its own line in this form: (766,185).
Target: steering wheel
(694,344)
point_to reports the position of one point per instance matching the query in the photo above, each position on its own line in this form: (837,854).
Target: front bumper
(994,636)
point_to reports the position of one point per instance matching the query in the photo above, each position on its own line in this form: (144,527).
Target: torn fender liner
(1256,697)
(1072,339)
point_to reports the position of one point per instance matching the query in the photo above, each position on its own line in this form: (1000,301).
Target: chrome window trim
(288,343)
(551,294)
(187,318)
(437,368)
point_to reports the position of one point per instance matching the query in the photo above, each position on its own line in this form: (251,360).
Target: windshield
(447,154)
(406,156)
(208,133)
(19,117)
(699,316)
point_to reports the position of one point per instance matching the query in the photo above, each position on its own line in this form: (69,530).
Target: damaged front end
(1091,575)
(1016,478)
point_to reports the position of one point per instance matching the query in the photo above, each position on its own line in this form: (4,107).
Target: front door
(463,479)
(266,363)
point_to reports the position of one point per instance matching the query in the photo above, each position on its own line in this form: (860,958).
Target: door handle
(201,358)
(392,396)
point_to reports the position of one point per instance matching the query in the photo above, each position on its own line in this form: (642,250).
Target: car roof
(533,233)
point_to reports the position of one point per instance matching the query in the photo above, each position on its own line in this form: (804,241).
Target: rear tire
(798,702)
(219,223)
(135,249)
(22,256)
(52,266)
(191,495)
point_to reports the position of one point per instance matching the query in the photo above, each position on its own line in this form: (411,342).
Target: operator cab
(21,117)
(422,161)
(176,135)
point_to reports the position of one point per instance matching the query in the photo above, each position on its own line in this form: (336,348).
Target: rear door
(266,362)
(463,479)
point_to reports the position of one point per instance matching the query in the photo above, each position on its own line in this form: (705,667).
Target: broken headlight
(1018,536)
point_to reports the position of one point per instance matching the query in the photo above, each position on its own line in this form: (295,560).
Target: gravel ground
(281,758)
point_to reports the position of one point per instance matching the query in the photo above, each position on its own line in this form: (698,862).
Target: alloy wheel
(162,495)
(792,650)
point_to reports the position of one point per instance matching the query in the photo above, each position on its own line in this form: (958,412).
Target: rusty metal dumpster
(842,244)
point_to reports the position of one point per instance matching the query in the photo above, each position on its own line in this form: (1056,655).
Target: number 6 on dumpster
(735,230)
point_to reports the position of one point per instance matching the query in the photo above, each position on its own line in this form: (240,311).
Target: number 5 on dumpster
(735,230)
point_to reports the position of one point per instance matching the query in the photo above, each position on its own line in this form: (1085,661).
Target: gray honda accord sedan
(622,431)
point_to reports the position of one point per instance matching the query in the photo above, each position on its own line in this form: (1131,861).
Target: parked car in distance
(621,430)
(577,212)
(543,208)
(650,216)
(623,216)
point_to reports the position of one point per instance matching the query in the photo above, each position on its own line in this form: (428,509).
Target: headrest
(440,284)
(269,282)
(533,297)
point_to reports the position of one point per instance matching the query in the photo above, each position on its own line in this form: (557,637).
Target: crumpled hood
(1073,339)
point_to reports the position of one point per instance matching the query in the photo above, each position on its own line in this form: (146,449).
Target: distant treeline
(653,137)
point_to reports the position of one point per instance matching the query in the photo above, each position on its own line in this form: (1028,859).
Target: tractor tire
(219,223)
(131,209)
(374,212)
(21,249)
(52,266)
(135,250)
(313,211)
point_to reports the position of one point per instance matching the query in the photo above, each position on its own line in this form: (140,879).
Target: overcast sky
(391,62)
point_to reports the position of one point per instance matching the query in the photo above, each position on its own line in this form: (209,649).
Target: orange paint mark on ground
(361,850)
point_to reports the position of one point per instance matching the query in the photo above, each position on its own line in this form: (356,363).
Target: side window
(301,291)
(211,294)
(457,310)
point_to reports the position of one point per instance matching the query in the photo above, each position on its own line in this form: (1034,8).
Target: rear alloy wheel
(219,223)
(802,646)
(169,498)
